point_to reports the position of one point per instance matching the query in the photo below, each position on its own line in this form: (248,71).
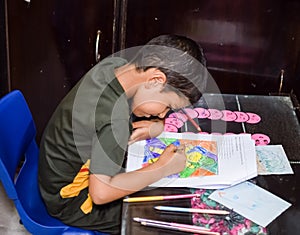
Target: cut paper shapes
(228,116)
(215,114)
(170,128)
(177,119)
(260,139)
(191,112)
(174,121)
(179,115)
(241,116)
(253,118)
(202,113)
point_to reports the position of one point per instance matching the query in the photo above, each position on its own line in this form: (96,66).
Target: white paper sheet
(236,161)
(252,202)
(272,160)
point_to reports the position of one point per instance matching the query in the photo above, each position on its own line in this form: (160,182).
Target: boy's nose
(163,114)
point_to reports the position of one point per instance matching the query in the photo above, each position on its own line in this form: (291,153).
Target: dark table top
(278,121)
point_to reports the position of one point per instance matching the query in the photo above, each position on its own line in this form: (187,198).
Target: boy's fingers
(175,148)
(171,148)
(180,149)
(139,124)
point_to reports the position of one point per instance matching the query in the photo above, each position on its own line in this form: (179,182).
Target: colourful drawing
(272,160)
(202,159)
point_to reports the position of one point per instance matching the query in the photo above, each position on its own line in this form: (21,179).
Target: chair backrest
(17,132)
(18,145)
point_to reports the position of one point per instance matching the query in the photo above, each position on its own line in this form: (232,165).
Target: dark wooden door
(247,44)
(51,44)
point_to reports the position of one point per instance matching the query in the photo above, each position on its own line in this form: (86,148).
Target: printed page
(213,161)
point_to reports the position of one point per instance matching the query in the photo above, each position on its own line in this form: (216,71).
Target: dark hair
(182,61)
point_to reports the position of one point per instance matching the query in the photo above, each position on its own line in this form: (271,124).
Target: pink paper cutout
(215,114)
(241,116)
(202,113)
(191,112)
(204,133)
(170,128)
(174,121)
(228,116)
(260,139)
(178,115)
(253,118)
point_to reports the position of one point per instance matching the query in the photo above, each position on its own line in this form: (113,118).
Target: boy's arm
(146,129)
(104,189)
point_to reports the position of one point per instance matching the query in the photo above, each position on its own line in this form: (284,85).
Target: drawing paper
(252,202)
(271,159)
(213,161)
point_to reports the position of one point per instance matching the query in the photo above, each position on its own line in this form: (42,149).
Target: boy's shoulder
(116,61)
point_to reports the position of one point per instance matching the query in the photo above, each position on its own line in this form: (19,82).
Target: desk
(278,121)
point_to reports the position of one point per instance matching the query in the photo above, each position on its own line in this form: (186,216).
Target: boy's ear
(155,77)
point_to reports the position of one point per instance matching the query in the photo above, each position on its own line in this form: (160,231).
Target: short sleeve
(109,147)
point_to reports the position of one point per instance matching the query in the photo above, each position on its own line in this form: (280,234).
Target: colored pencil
(192,210)
(178,228)
(159,198)
(191,120)
(170,223)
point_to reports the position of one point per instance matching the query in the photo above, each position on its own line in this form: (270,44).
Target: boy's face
(152,101)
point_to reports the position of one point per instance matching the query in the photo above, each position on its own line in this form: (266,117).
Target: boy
(84,144)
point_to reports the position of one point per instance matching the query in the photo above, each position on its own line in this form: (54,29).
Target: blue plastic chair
(18,145)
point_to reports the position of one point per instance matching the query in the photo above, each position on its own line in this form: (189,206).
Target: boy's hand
(173,159)
(146,129)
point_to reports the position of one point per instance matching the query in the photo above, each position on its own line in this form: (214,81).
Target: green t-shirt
(87,134)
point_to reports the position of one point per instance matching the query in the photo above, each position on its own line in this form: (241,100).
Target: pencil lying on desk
(192,210)
(191,120)
(198,231)
(137,219)
(160,198)
(175,226)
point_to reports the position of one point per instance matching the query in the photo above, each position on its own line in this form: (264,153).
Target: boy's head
(180,59)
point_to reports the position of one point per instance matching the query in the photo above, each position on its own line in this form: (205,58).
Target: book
(213,161)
